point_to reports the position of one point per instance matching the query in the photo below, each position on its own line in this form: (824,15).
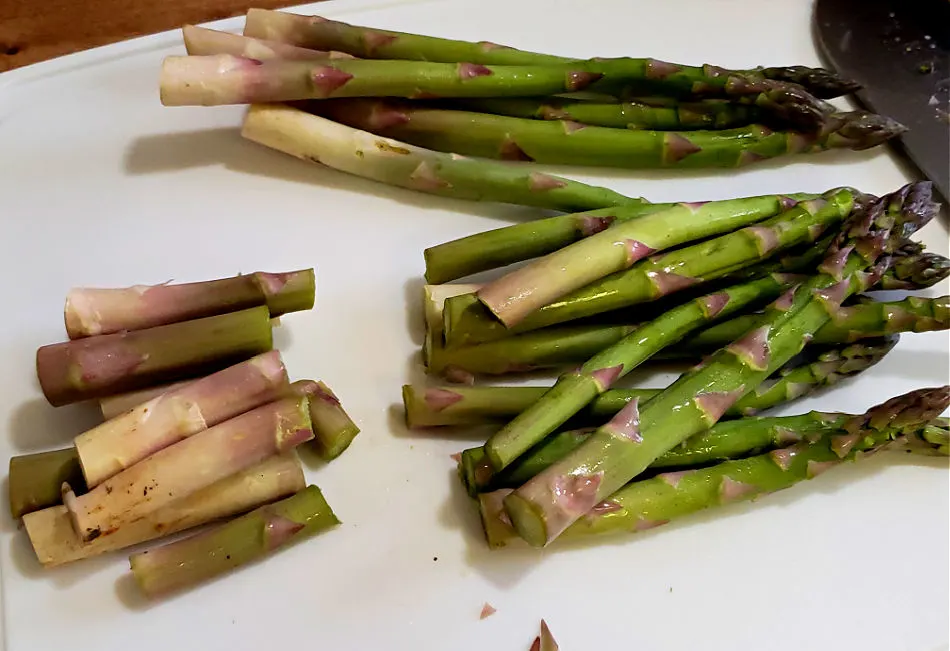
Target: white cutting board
(101,185)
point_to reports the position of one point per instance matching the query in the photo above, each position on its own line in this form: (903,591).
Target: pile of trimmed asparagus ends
(403,108)
(201,425)
(766,296)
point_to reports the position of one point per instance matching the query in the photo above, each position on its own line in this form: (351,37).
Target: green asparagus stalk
(200,41)
(519,293)
(680,116)
(467,321)
(55,542)
(901,422)
(92,311)
(459,405)
(36,480)
(333,429)
(316,139)
(620,450)
(94,367)
(573,391)
(261,532)
(573,143)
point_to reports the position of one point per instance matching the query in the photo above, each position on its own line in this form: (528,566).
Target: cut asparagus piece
(899,423)
(35,480)
(620,450)
(333,429)
(342,148)
(93,311)
(112,406)
(55,541)
(200,41)
(122,442)
(467,321)
(188,466)
(261,532)
(573,143)
(519,293)
(573,391)
(94,367)
(226,79)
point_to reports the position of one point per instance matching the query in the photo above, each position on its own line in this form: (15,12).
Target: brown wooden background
(35,30)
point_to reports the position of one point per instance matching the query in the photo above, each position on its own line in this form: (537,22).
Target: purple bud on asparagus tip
(439,399)
(783,456)
(786,436)
(570,126)
(713,304)
(753,348)
(538,182)
(626,423)
(576,494)
(693,206)
(590,225)
(784,302)
(787,203)
(815,468)
(833,265)
(842,444)
(731,490)
(657,69)
(674,478)
(579,80)
(510,150)
(278,530)
(327,79)
(766,239)
(457,375)
(605,507)
(668,283)
(677,147)
(384,116)
(637,250)
(472,70)
(832,297)
(375,40)
(605,377)
(714,404)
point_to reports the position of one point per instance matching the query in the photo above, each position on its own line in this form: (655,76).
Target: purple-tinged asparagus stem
(34,480)
(261,532)
(94,311)
(122,442)
(333,429)
(188,466)
(112,406)
(94,367)
(55,541)
(200,41)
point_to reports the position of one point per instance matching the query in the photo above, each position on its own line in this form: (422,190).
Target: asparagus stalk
(122,442)
(333,429)
(35,480)
(55,541)
(574,143)
(112,406)
(188,466)
(92,311)
(261,532)
(519,293)
(915,268)
(467,321)
(641,505)
(94,367)
(620,450)
(200,42)
(226,79)
(457,405)
(679,116)
(319,140)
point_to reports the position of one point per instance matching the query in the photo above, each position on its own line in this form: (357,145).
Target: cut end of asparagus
(333,428)
(293,291)
(527,521)
(36,480)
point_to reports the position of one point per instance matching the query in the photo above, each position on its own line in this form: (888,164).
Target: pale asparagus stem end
(200,41)
(183,79)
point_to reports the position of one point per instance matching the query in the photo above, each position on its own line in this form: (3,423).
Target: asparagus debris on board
(620,450)
(261,532)
(35,480)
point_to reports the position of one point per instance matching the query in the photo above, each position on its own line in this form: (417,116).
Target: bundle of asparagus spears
(218,443)
(765,295)
(309,76)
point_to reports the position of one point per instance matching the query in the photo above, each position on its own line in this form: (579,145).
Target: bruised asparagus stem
(35,480)
(55,541)
(200,41)
(94,367)
(112,406)
(122,442)
(261,532)
(333,429)
(93,311)
(310,137)
(188,466)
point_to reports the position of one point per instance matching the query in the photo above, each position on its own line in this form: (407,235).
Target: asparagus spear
(261,532)
(915,268)
(519,293)
(620,450)
(94,367)
(188,466)
(573,391)
(316,139)
(200,41)
(122,442)
(333,429)
(226,79)
(457,405)
(55,542)
(35,480)
(92,311)
(640,505)
(574,143)
(469,322)
(680,116)
(112,406)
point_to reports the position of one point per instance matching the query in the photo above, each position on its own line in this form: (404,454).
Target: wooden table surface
(36,30)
